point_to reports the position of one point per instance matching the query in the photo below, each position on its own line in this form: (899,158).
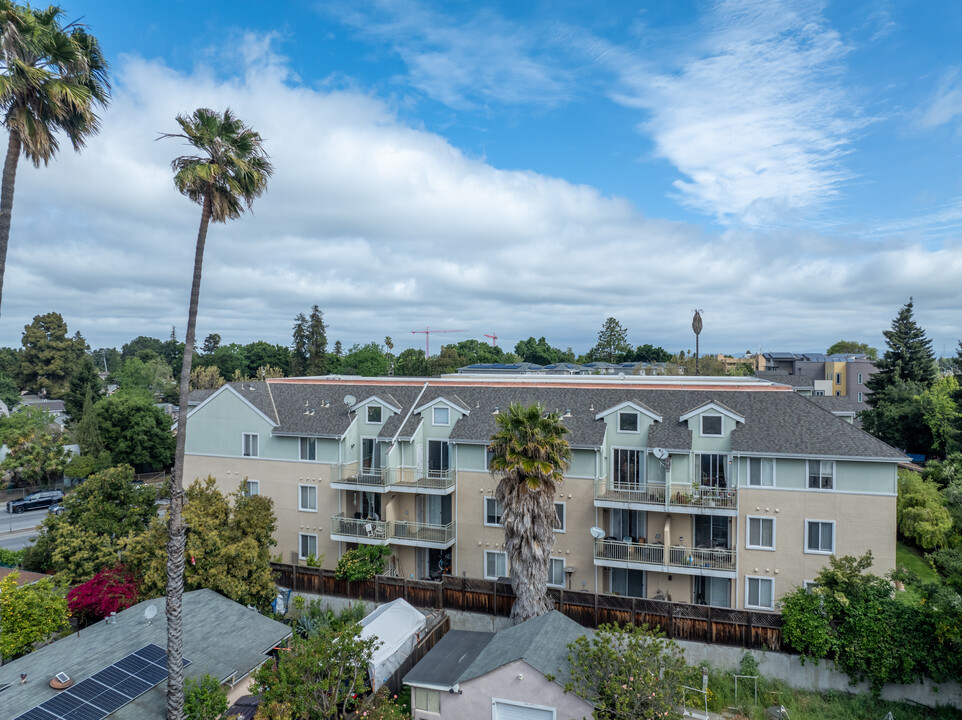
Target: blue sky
(790,168)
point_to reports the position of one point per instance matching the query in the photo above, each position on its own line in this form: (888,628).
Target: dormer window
(374,414)
(711,425)
(442,416)
(628,422)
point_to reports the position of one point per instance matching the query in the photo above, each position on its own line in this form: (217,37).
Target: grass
(911,559)
(810,705)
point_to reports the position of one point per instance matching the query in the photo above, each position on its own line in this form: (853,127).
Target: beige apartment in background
(717,491)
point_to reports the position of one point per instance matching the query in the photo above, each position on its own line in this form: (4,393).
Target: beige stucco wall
(475,700)
(862,522)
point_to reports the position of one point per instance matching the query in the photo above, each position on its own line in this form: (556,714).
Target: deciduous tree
(852,347)
(29,614)
(135,431)
(109,591)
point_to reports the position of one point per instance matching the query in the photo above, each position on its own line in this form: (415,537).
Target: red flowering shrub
(110,590)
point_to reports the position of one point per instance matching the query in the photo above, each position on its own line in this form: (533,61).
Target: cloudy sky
(793,169)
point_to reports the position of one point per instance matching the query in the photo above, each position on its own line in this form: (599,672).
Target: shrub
(362,563)
(11,558)
(204,700)
(110,590)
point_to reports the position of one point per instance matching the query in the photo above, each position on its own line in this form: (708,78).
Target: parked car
(55,509)
(36,501)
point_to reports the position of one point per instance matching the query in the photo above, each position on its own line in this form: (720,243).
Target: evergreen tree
(316,343)
(87,433)
(612,342)
(909,357)
(299,346)
(85,381)
(211,343)
(49,357)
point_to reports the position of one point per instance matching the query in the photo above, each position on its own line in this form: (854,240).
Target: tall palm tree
(52,78)
(228,173)
(530,456)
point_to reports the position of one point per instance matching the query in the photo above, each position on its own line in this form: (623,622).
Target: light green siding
(616,438)
(471,457)
(791,473)
(582,463)
(327,450)
(721,444)
(218,428)
(865,477)
(680,469)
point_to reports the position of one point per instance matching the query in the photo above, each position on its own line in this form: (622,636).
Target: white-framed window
(374,414)
(252,487)
(250,442)
(760,533)
(308,448)
(860,396)
(761,472)
(713,469)
(495,564)
(427,700)
(860,378)
(838,378)
(711,425)
(307,498)
(820,537)
(759,593)
(441,416)
(559,527)
(821,474)
(306,545)
(628,422)
(556,572)
(492,512)
(809,585)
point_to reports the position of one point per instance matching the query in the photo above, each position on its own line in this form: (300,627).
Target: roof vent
(495,409)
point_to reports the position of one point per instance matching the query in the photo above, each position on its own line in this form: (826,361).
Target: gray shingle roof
(784,378)
(777,421)
(221,638)
(448,660)
(542,642)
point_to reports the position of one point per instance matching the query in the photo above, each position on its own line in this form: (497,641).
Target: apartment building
(718,491)
(830,375)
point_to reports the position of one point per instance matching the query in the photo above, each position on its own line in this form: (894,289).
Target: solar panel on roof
(108,690)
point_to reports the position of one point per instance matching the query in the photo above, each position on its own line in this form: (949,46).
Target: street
(18,530)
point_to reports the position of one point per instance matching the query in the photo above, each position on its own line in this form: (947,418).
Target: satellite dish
(349,400)
(150,613)
(597,533)
(660,453)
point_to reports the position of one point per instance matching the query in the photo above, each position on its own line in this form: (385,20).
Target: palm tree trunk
(6,199)
(529,539)
(176,531)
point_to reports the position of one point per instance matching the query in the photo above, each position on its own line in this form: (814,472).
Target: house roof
(784,378)
(221,637)
(776,419)
(24,577)
(447,661)
(542,642)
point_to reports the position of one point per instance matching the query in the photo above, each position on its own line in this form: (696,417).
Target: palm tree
(530,456)
(230,170)
(52,77)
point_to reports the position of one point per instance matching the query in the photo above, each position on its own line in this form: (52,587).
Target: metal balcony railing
(656,494)
(388,530)
(427,479)
(676,555)
(703,496)
(364,476)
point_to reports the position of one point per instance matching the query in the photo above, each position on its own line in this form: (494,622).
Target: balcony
(698,500)
(370,479)
(428,482)
(684,560)
(393,532)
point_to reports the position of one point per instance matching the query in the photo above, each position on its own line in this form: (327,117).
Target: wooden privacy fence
(700,623)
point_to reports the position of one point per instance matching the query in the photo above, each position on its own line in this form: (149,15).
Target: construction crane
(427,337)
(494,338)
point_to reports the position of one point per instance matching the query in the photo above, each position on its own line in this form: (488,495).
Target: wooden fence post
(711,627)
(405,589)
(494,596)
(464,580)
(439,601)
(632,611)
(671,620)
(377,588)
(596,610)
(748,633)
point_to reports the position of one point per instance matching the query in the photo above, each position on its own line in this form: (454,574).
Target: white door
(503,710)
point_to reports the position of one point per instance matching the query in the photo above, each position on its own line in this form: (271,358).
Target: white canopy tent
(398,626)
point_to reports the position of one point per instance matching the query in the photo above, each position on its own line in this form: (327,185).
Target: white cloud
(751,111)
(946,106)
(390,229)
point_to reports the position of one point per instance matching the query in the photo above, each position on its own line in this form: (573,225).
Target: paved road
(20,521)
(18,541)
